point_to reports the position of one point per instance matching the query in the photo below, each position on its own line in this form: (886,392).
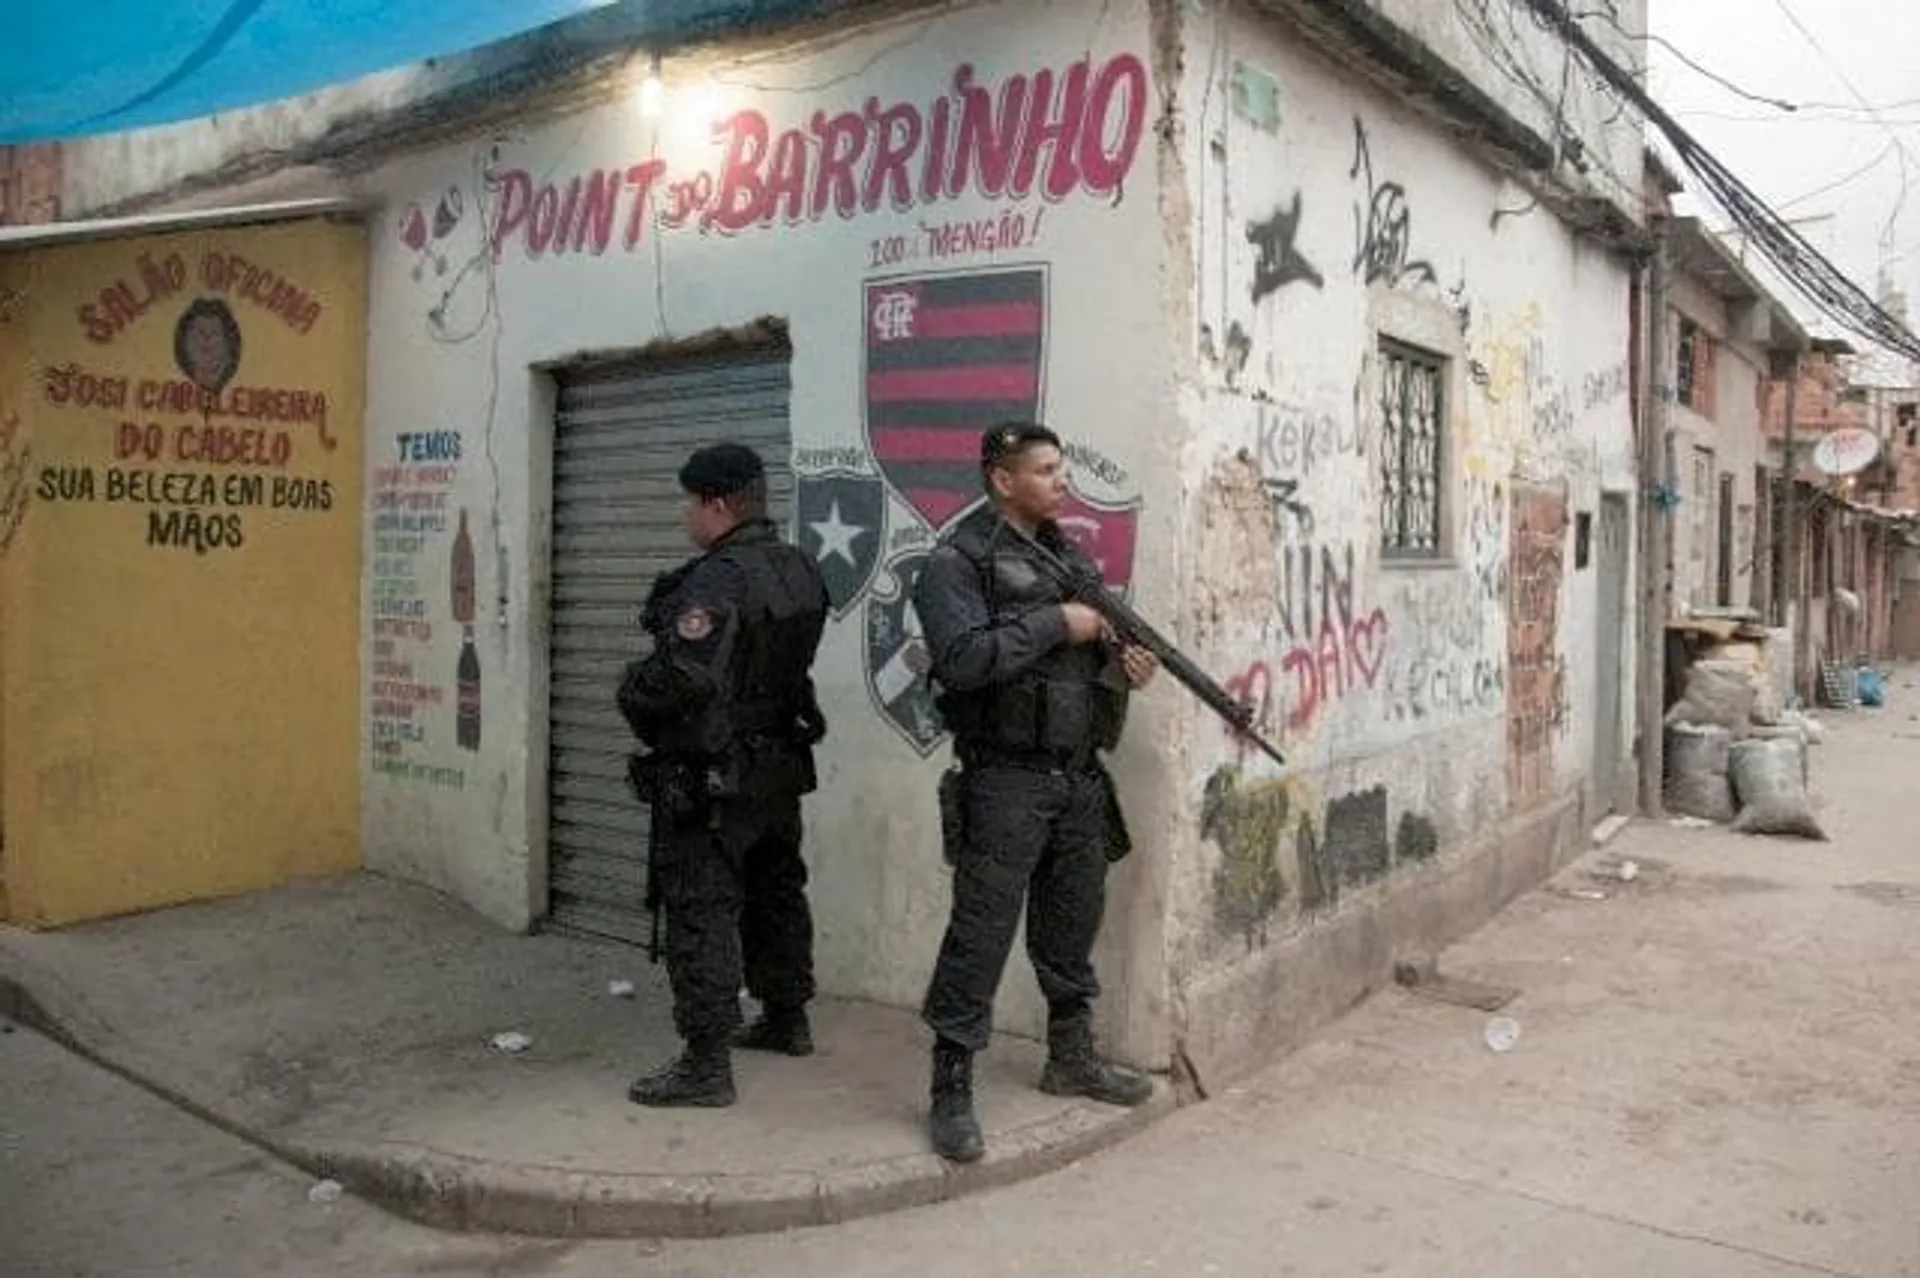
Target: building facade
(1728,335)
(1338,339)
(1841,551)
(180,507)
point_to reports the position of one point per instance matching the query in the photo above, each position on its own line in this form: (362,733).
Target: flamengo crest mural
(946,357)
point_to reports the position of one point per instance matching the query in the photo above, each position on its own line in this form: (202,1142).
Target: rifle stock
(1132,628)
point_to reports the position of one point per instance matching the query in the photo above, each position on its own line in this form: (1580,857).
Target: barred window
(1683,362)
(1412,408)
(1696,361)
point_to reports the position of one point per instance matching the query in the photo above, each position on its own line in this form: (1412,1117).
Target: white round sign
(1843,451)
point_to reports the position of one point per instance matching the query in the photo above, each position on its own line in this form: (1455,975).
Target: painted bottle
(466,727)
(463,588)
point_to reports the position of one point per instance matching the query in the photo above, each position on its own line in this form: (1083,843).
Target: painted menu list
(426,667)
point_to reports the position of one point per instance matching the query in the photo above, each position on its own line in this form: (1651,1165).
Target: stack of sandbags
(1732,745)
(1770,780)
(1701,729)
(1696,783)
(1769,692)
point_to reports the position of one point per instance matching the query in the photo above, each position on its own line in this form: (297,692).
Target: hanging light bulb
(652,93)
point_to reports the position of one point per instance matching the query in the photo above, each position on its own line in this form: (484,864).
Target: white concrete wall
(455,333)
(1420,705)
(106,170)
(1168,355)
(1524,67)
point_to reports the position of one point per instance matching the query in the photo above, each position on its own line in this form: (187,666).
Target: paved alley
(1718,1073)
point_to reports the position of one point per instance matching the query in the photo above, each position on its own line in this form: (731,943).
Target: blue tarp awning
(74,67)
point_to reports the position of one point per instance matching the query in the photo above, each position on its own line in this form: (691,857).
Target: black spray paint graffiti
(1292,517)
(1383,234)
(1279,261)
(1231,361)
(1294,441)
(1239,350)
(1462,306)
(1447,663)
(1349,845)
(1316,587)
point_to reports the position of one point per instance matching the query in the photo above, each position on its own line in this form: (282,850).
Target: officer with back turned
(1033,688)
(725,703)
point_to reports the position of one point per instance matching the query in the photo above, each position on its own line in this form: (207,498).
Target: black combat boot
(784,1030)
(1074,1070)
(956,1132)
(701,1077)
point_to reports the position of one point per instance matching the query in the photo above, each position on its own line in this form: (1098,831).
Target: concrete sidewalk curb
(458,1192)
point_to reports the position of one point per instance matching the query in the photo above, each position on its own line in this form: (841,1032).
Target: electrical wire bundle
(1823,283)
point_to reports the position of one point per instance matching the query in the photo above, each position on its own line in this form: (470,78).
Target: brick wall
(1817,408)
(1536,672)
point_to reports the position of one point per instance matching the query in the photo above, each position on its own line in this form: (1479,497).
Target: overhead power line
(1823,283)
(1893,218)
(1613,21)
(1834,185)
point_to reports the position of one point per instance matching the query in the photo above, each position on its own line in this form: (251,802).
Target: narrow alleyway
(1718,1073)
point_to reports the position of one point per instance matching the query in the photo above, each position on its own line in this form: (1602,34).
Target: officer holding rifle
(1033,685)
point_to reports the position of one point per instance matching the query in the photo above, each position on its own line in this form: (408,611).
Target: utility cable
(1818,279)
(1613,20)
(1900,203)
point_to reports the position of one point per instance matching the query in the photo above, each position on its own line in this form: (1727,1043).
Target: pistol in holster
(1119,838)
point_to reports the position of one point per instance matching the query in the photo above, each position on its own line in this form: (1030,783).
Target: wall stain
(1415,840)
(1238,531)
(1356,850)
(1247,825)
(1278,845)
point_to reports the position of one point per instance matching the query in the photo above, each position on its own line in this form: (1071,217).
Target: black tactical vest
(1074,700)
(761,667)
(781,620)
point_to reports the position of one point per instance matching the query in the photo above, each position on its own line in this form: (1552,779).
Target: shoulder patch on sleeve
(693,624)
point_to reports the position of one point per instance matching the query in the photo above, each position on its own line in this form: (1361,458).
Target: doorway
(621,432)
(1611,563)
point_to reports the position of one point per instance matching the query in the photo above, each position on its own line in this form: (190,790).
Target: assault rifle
(1132,628)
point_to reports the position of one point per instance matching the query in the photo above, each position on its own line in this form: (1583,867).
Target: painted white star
(837,537)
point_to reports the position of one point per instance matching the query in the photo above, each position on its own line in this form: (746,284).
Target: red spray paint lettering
(1344,658)
(1053,132)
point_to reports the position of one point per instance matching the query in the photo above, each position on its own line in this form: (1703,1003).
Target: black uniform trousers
(735,899)
(1034,836)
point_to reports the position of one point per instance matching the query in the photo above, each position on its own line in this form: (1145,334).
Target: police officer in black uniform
(1033,688)
(726,704)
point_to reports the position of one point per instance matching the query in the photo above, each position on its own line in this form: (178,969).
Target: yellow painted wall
(15,481)
(180,613)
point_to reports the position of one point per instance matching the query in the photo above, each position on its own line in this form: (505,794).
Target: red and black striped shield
(949,356)
(1105,534)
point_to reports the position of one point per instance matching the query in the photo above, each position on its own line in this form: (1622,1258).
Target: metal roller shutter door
(620,437)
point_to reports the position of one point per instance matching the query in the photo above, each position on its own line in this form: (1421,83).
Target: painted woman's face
(206,350)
